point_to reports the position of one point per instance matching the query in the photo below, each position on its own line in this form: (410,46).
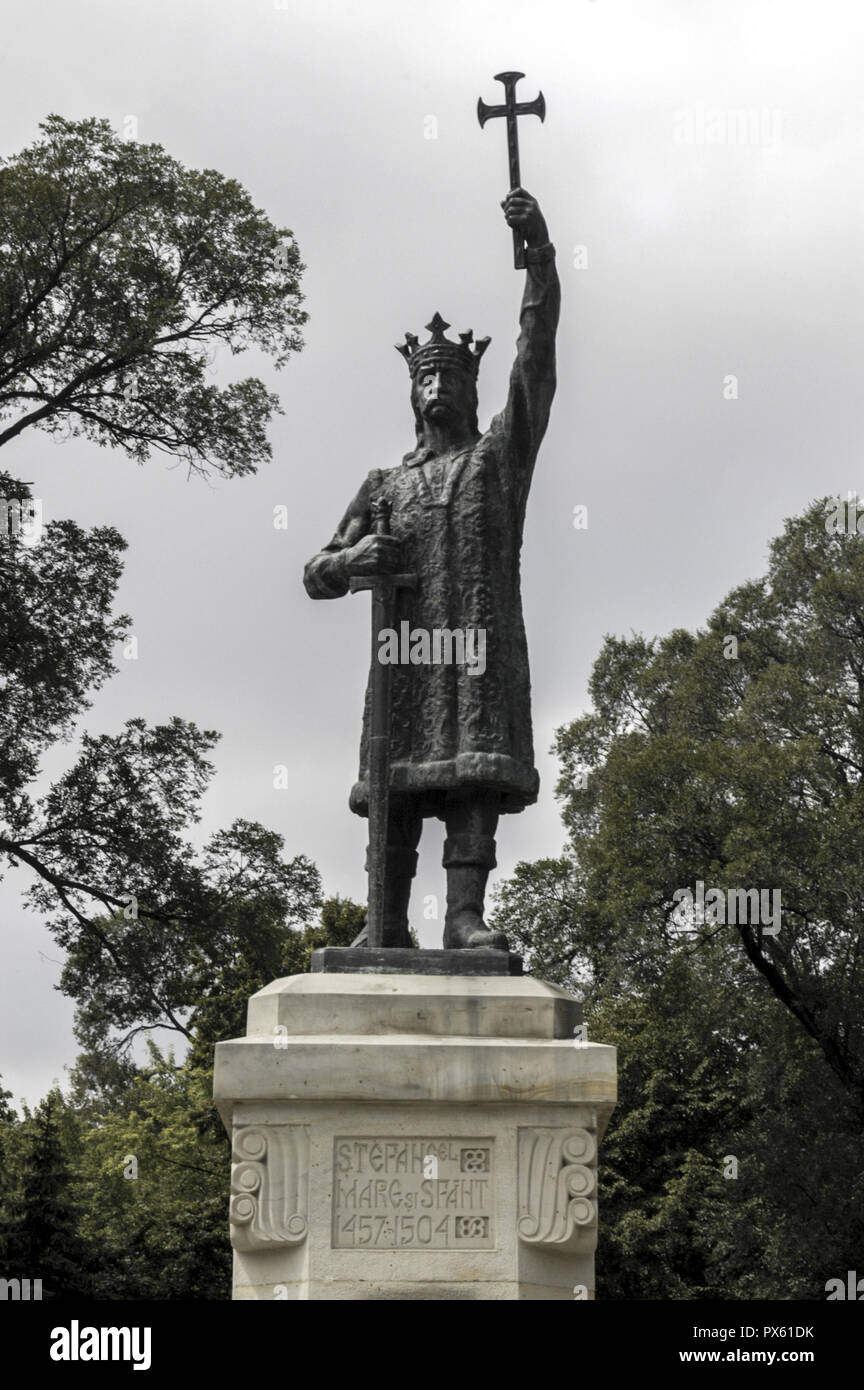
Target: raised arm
(532,381)
(354,549)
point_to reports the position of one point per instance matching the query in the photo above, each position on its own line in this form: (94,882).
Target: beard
(457,413)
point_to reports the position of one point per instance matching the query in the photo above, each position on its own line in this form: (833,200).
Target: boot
(468,859)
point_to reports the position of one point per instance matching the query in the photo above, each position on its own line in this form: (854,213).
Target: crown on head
(465,354)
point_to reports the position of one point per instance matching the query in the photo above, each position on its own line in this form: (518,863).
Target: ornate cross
(512,109)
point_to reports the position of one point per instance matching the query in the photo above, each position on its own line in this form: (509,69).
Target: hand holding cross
(511,110)
(522,213)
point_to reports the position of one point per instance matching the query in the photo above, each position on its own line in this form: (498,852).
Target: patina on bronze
(460,745)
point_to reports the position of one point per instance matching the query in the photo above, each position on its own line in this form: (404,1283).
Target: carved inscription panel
(422,1194)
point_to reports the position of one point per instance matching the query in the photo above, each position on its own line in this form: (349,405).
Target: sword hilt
(381,509)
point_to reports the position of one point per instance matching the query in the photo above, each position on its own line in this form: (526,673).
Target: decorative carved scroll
(269,1186)
(557,1181)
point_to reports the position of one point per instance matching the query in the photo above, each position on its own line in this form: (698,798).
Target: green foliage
(739,771)
(122,1192)
(151,929)
(341,921)
(57,641)
(39,1228)
(707,1074)
(154,1181)
(120,273)
(204,928)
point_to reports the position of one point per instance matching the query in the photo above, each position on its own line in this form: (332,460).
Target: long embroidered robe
(459,518)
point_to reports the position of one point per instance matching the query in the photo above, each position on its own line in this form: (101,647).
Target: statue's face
(444,394)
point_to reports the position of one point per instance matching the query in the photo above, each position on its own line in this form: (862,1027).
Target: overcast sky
(706,258)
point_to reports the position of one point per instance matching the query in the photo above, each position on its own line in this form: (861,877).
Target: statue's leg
(469,854)
(403,834)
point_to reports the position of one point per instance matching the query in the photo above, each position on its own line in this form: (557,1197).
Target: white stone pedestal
(413,1137)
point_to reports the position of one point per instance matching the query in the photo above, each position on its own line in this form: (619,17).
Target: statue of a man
(461,747)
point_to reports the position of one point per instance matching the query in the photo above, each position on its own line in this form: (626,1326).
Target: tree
(39,1236)
(737,763)
(8,1126)
(199,941)
(153,1178)
(57,637)
(153,1185)
(120,274)
(341,922)
(732,1165)
(122,1191)
(149,926)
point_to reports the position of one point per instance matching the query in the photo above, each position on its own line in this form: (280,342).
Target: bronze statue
(460,744)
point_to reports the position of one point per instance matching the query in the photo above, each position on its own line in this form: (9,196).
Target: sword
(383,588)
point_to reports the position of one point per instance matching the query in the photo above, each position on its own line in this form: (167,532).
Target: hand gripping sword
(512,110)
(383,588)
